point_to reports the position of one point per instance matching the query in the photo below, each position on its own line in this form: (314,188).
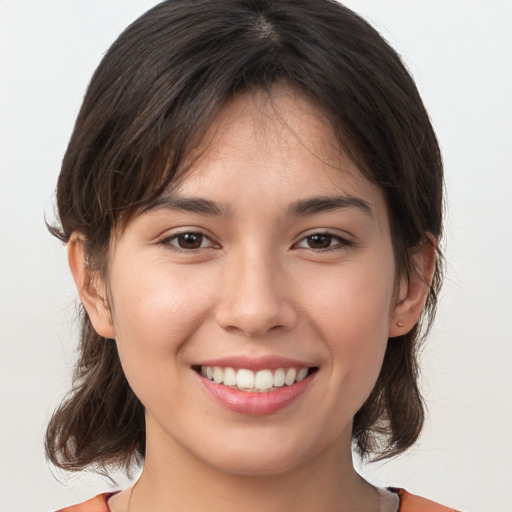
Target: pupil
(190,240)
(320,241)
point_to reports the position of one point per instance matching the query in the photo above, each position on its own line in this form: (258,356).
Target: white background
(460,53)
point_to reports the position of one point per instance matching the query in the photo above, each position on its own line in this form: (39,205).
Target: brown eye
(189,241)
(323,242)
(319,241)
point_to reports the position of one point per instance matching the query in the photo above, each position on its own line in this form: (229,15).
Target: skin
(257,285)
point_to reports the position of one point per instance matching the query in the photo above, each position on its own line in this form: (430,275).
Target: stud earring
(400,324)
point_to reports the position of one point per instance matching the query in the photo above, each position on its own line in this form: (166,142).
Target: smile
(261,381)
(266,389)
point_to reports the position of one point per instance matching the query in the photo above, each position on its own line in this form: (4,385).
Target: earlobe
(413,290)
(91,288)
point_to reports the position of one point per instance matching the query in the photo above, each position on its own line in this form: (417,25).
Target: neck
(173,479)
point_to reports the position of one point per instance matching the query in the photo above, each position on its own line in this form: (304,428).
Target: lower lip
(255,404)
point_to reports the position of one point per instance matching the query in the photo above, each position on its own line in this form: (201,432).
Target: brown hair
(156,89)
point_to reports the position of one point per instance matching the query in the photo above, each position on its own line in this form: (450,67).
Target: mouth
(249,381)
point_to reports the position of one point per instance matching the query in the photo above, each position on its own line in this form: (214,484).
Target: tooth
(229,377)
(264,380)
(218,375)
(301,374)
(245,379)
(279,376)
(290,376)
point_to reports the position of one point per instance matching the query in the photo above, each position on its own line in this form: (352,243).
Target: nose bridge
(255,296)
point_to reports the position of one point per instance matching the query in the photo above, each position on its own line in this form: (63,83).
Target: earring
(400,324)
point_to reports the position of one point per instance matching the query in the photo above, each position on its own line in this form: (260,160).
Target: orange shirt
(408,503)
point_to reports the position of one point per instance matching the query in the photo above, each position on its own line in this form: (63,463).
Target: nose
(256,297)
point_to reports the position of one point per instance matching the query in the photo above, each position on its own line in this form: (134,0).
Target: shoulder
(97,504)
(412,503)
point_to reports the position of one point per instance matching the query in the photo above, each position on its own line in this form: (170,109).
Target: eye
(322,241)
(188,241)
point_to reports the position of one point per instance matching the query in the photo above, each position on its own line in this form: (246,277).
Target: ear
(91,288)
(413,290)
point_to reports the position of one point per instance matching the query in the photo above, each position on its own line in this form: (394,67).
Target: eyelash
(340,242)
(168,241)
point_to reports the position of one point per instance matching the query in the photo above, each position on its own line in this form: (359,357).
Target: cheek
(155,312)
(353,297)
(351,310)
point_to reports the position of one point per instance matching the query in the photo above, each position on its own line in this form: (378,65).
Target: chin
(259,459)
(258,466)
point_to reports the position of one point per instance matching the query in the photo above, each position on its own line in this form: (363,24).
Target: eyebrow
(320,204)
(311,205)
(173,201)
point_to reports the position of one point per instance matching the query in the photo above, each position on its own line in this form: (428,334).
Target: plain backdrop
(460,53)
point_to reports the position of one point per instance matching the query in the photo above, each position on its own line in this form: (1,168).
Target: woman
(252,202)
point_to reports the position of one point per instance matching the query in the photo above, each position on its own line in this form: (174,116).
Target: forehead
(280,144)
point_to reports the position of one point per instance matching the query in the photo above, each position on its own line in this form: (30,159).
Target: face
(252,303)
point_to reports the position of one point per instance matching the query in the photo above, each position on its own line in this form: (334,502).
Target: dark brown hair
(154,93)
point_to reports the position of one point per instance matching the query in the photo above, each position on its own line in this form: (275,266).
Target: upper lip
(256,363)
